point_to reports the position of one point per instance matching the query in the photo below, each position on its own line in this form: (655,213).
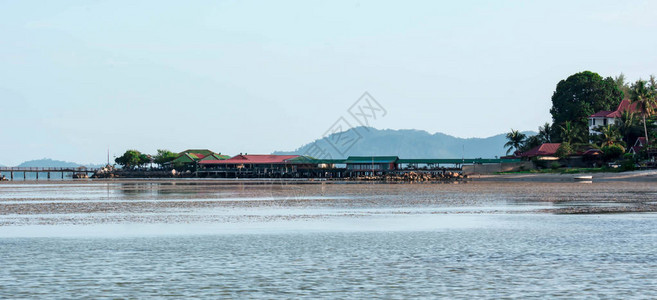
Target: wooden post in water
(12,175)
(37,174)
(24,176)
(48,175)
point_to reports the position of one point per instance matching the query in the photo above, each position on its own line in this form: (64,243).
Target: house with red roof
(547,151)
(604,118)
(638,145)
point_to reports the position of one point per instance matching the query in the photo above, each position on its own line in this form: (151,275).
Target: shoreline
(635,176)
(639,176)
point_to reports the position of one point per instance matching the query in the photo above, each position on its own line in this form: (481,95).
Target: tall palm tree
(569,133)
(627,126)
(609,134)
(644,97)
(545,133)
(515,139)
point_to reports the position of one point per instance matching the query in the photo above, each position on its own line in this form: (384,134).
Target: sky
(80,77)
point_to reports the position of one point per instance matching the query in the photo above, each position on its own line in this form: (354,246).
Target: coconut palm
(545,133)
(569,133)
(609,134)
(628,126)
(644,96)
(515,139)
(530,142)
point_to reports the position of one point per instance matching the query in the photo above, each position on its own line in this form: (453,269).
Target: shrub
(613,151)
(564,150)
(627,165)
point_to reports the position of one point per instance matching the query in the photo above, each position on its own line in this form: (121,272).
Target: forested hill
(405,143)
(51,163)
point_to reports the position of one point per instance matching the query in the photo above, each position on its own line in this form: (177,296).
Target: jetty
(49,172)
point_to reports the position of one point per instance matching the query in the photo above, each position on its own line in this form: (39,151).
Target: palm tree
(515,140)
(530,142)
(545,133)
(627,126)
(644,97)
(569,133)
(609,134)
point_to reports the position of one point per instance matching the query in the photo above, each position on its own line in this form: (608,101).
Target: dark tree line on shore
(584,94)
(134,159)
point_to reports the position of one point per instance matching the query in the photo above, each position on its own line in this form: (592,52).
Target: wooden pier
(74,171)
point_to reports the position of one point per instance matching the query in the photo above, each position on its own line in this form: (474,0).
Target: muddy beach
(212,201)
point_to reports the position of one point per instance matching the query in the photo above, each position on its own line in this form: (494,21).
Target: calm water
(272,247)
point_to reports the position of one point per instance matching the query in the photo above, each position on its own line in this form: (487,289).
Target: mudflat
(193,201)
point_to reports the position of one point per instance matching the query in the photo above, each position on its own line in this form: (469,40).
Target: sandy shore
(635,176)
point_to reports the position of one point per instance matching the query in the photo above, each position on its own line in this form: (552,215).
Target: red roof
(252,159)
(603,114)
(547,149)
(625,105)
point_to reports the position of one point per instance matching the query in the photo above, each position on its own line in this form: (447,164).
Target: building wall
(595,122)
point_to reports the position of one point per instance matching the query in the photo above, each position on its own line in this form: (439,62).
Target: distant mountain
(405,143)
(51,163)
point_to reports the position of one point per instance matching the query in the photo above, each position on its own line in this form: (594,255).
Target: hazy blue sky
(244,76)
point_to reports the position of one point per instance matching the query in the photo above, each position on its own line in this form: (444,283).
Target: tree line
(132,159)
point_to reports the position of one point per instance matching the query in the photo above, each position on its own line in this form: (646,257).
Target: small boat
(583,178)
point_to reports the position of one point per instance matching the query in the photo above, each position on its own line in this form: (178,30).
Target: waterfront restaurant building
(370,165)
(258,165)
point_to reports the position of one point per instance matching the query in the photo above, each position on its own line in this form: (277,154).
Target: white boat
(583,178)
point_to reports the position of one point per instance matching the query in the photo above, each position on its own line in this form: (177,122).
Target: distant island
(52,163)
(409,143)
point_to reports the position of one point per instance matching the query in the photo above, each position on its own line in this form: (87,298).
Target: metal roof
(625,105)
(215,157)
(547,149)
(253,159)
(204,152)
(371,159)
(185,158)
(454,160)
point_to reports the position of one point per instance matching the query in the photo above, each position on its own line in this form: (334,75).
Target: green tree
(629,127)
(564,150)
(515,139)
(569,133)
(613,151)
(643,95)
(164,156)
(530,142)
(582,95)
(608,134)
(131,159)
(622,84)
(545,133)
